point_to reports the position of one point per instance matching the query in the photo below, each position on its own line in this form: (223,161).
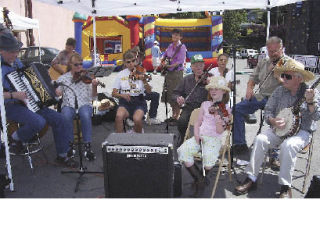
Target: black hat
(9,43)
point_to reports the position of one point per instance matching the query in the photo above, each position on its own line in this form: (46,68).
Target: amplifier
(138,165)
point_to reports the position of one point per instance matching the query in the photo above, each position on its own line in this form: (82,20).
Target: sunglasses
(77,64)
(128,62)
(287,76)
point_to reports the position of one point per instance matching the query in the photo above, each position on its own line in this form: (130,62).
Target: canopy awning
(20,23)
(145,7)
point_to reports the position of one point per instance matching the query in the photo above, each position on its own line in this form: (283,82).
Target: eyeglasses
(77,64)
(287,76)
(128,62)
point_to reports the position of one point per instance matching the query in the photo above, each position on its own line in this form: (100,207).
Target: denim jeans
(31,123)
(154,97)
(85,114)
(241,109)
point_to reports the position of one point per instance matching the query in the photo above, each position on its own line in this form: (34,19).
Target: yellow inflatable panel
(183,22)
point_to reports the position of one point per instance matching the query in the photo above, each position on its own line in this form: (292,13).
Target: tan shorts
(172,79)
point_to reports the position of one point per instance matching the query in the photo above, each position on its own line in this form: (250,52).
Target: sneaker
(129,122)
(68,162)
(153,121)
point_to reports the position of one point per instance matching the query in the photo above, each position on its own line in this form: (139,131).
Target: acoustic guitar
(55,74)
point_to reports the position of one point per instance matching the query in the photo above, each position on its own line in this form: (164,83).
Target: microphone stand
(166,102)
(82,170)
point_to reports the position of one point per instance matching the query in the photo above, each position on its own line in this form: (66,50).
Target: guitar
(55,74)
(292,117)
(163,67)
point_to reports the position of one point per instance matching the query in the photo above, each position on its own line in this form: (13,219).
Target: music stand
(82,170)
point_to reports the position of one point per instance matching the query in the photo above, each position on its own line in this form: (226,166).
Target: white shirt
(83,91)
(125,85)
(229,75)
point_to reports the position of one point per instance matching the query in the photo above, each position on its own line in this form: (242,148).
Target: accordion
(36,82)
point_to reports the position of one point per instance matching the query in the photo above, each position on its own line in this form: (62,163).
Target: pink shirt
(208,126)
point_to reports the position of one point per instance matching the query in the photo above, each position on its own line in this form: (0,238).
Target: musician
(184,89)
(30,123)
(63,57)
(84,91)
(293,77)
(152,96)
(130,89)
(176,54)
(254,101)
(208,129)
(155,52)
(222,69)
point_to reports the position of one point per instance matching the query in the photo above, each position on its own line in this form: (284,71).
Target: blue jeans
(85,114)
(31,123)
(241,109)
(154,97)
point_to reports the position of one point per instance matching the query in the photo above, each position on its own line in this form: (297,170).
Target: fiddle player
(129,89)
(152,96)
(184,89)
(293,88)
(214,117)
(176,54)
(263,76)
(85,93)
(30,123)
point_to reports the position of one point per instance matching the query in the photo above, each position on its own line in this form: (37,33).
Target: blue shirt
(7,68)
(155,51)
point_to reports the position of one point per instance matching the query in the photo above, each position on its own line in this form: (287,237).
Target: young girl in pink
(214,117)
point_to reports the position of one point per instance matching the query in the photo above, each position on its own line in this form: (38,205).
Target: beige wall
(56,23)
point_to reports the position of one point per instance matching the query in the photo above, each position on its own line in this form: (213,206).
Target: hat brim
(307,75)
(208,87)
(15,47)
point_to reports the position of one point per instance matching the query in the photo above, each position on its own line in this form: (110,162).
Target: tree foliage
(231,24)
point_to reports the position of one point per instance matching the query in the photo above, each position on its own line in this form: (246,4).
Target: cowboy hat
(8,42)
(294,66)
(217,82)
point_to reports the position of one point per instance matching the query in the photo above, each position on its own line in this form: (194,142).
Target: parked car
(32,54)
(245,53)
(252,62)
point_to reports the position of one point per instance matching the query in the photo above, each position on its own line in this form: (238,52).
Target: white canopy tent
(144,7)
(19,23)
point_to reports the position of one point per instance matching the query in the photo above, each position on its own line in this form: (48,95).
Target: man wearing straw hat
(293,88)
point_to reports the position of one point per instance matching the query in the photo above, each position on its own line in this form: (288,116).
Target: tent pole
(94,41)
(268,20)
(5,134)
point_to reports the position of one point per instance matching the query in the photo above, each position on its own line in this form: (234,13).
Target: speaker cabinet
(138,165)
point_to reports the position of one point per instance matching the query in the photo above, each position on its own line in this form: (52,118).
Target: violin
(139,73)
(85,77)
(204,76)
(220,109)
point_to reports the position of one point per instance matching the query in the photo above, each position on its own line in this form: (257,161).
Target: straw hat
(217,82)
(295,66)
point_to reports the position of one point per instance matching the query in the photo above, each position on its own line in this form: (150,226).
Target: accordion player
(36,82)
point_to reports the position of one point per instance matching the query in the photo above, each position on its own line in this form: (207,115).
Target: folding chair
(305,153)
(225,148)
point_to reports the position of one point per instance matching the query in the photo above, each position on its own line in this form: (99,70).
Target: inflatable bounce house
(116,35)
(201,36)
